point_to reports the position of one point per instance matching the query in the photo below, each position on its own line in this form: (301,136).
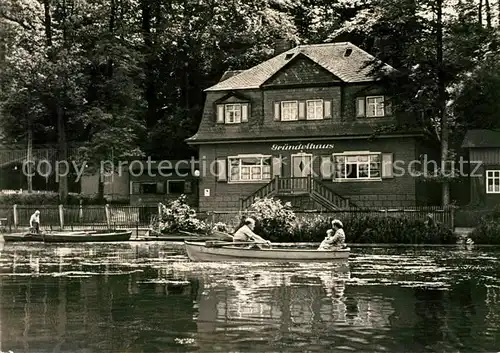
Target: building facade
(483,148)
(147,183)
(307,126)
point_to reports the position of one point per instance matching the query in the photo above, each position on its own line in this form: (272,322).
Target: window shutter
(160,187)
(326,168)
(221,169)
(327,109)
(302,110)
(360,107)
(277,165)
(387,106)
(245,108)
(277,111)
(387,165)
(136,188)
(220,113)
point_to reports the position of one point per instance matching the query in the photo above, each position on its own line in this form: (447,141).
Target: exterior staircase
(303,193)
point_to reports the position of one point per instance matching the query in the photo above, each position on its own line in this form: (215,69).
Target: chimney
(282,45)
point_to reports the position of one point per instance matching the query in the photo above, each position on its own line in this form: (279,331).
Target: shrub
(178,215)
(488,231)
(372,230)
(275,220)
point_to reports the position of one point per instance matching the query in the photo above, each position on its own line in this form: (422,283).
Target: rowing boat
(105,236)
(26,237)
(226,251)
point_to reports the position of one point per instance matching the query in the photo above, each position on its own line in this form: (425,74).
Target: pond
(148,297)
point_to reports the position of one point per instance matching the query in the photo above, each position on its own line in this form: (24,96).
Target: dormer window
(232,113)
(373,106)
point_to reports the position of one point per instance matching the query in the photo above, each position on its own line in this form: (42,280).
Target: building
(147,183)
(483,147)
(302,126)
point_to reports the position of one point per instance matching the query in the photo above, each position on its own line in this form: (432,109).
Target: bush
(275,220)
(177,216)
(488,231)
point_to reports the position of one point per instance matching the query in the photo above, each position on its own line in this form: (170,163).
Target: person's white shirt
(35,217)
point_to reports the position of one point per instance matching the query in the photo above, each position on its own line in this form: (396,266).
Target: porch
(300,191)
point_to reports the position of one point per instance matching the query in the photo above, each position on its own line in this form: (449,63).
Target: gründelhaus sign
(300,146)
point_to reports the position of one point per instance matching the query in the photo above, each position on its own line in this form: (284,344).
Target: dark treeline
(125,78)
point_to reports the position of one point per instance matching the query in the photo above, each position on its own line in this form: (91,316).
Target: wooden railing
(265,191)
(291,186)
(324,192)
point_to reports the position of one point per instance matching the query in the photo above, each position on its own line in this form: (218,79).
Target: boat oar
(219,244)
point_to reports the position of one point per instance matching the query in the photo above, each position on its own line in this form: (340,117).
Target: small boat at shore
(27,237)
(228,251)
(104,236)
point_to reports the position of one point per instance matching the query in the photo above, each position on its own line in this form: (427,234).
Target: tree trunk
(47,22)
(100,188)
(480,13)
(63,155)
(150,88)
(29,157)
(488,13)
(442,101)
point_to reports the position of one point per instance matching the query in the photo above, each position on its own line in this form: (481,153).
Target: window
(315,109)
(374,106)
(493,181)
(357,166)
(289,111)
(249,168)
(147,188)
(175,186)
(232,113)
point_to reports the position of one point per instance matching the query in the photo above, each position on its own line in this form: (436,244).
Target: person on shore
(245,234)
(335,238)
(35,222)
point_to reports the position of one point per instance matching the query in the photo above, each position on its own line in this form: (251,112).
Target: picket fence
(119,216)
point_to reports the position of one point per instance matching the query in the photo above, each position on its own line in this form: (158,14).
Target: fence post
(61,216)
(452,214)
(80,212)
(16,219)
(108,215)
(159,210)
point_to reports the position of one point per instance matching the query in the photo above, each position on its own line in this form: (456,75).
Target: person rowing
(245,234)
(335,238)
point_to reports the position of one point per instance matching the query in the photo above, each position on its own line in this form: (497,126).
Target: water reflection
(150,298)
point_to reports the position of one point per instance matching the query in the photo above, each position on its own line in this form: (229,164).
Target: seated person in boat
(35,222)
(245,233)
(335,238)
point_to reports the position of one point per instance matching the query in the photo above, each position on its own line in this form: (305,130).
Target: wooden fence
(119,216)
(79,216)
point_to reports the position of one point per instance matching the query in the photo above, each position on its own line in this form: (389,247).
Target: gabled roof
(229,74)
(482,138)
(350,68)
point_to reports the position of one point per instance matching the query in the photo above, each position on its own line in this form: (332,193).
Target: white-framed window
(357,166)
(493,181)
(232,113)
(314,109)
(249,168)
(289,110)
(375,106)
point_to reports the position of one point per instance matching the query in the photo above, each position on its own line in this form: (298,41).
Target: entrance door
(301,170)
